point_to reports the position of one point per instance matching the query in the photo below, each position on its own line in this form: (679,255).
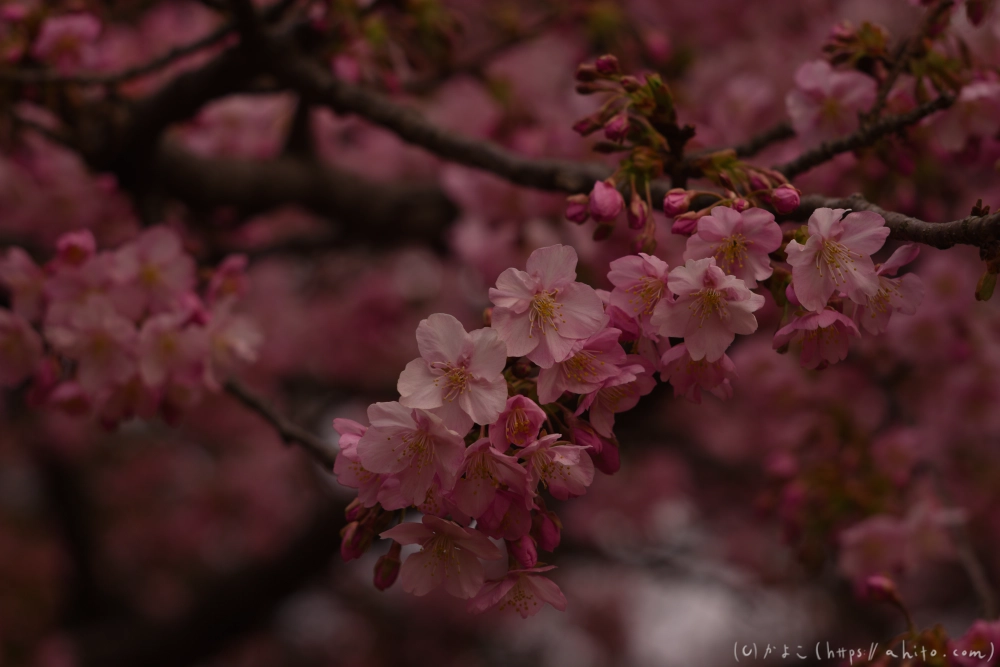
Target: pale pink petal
(441,338)
(417,388)
(553,266)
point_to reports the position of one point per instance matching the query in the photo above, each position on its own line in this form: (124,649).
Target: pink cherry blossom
(565,469)
(518,424)
(640,283)
(689,377)
(710,309)
(541,312)
(347,466)
(825,103)
(901,294)
(75,248)
(100,340)
(233,341)
(169,348)
(486,470)
(974,648)
(603,451)
(837,257)
(20,349)
(157,265)
(449,557)
(877,545)
(460,373)
(618,395)
(414,443)
(592,361)
(523,591)
(25,281)
(825,337)
(976,113)
(506,517)
(65,40)
(229,280)
(739,242)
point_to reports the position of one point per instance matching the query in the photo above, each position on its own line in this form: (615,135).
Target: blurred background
(208,541)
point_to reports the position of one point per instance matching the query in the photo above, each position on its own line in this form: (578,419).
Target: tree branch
(321,451)
(865,136)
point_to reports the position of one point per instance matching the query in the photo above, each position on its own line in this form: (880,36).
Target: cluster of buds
(860,48)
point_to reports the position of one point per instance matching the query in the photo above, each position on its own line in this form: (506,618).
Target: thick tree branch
(324,453)
(865,136)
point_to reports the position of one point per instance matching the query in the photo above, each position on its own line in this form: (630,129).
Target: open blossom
(565,469)
(541,312)
(825,337)
(65,41)
(640,282)
(689,377)
(710,309)
(521,591)
(20,349)
(100,340)
(901,294)
(878,545)
(25,281)
(837,257)
(167,347)
(974,648)
(975,113)
(592,361)
(347,466)
(156,264)
(233,340)
(618,394)
(506,517)
(449,557)
(518,424)
(414,443)
(459,372)
(487,470)
(739,241)
(824,104)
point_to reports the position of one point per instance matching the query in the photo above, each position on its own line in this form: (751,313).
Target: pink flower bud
(785,198)
(608,460)
(792,298)
(524,551)
(355,510)
(606,203)
(547,530)
(387,567)
(586,126)
(586,72)
(578,208)
(676,202)
(75,248)
(354,541)
(607,65)
(630,83)
(685,225)
(616,128)
(657,46)
(70,398)
(758,181)
(740,204)
(637,213)
(881,588)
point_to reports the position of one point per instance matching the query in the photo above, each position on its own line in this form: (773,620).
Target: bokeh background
(210,542)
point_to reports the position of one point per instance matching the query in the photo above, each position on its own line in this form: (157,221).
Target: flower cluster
(121,333)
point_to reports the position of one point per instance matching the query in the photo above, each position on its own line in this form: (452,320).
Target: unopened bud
(578,208)
(740,204)
(521,368)
(881,588)
(630,83)
(387,567)
(676,202)
(524,551)
(607,65)
(354,510)
(354,541)
(616,128)
(74,248)
(546,528)
(606,203)
(637,213)
(785,198)
(685,225)
(587,72)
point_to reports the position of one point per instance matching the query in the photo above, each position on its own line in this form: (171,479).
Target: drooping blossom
(689,377)
(603,451)
(460,373)
(825,337)
(618,395)
(100,340)
(837,257)
(640,283)
(824,104)
(739,241)
(157,266)
(564,469)
(518,424)
(710,309)
(901,294)
(20,349)
(541,312)
(449,557)
(486,470)
(521,591)
(65,41)
(347,466)
(590,364)
(413,443)
(25,281)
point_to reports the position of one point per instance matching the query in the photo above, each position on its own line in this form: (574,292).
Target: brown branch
(323,452)
(756,144)
(865,136)
(975,231)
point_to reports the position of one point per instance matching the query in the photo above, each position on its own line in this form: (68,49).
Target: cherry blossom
(25,281)
(710,309)
(347,466)
(689,377)
(518,424)
(65,40)
(541,312)
(521,591)
(20,349)
(592,362)
(740,242)
(825,337)
(100,340)
(564,469)
(156,265)
(618,394)
(486,470)
(459,372)
(825,103)
(901,294)
(167,347)
(449,556)
(640,283)
(837,257)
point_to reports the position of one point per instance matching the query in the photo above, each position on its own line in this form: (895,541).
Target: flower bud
(606,203)
(616,128)
(685,225)
(607,65)
(785,198)
(524,551)
(792,298)
(547,530)
(637,213)
(521,368)
(354,541)
(587,72)
(578,208)
(387,567)
(740,204)
(676,202)
(758,181)
(586,126)
(630,83)
(75,248)
(354,510)
(881,588)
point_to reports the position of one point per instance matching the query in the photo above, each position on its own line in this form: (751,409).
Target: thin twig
(323,452)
